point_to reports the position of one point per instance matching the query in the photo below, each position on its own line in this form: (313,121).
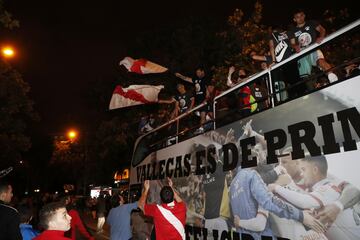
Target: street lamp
(8,52)
(72,134)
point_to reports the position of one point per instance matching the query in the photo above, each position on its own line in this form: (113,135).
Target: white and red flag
(134,95)
(142,66)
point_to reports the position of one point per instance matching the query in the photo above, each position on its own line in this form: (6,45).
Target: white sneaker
(332,77)
(199,130)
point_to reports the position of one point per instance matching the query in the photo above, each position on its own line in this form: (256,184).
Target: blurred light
(72,134)
(37,190)
(21,162)
(8,52)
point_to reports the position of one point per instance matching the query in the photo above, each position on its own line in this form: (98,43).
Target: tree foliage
(242,36)
(6,18)
(16,110)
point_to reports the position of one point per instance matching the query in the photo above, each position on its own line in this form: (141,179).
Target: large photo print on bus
(230,188)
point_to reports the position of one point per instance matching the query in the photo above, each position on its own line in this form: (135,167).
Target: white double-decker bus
(260,174)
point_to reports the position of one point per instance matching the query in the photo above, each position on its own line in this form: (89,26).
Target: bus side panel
(324,121)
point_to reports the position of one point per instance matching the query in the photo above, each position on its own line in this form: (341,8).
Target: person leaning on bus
(169,216)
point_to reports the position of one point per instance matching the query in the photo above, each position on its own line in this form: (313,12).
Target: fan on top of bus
(184,101)
(201,82)
(266,59)
(251,97)
(303,35)
(146,124)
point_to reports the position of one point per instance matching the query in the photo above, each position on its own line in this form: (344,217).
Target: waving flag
(142,66)
(134,95)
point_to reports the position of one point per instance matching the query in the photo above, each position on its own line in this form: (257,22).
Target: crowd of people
(52,214)
(282,43)
(60,217)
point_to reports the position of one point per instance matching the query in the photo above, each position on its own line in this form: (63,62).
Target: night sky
(65,45)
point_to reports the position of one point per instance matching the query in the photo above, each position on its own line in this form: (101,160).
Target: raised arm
(322,33)
(229,82)
(169,101)
(185,78)
(192,104)
(144,195)
(272,49)
(176,195)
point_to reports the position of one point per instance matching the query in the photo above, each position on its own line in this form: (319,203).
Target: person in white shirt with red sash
(169,216)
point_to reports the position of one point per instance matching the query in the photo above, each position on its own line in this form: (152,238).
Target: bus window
(243,101)
(142,150)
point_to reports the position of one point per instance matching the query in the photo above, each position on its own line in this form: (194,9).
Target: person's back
(141,226)
(119,221)
(169,217)
(9,216)
(77,225)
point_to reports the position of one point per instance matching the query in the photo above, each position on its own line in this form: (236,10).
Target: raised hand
(313,223)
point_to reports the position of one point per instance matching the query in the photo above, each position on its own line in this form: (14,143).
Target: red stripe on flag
(130,94)
(136,67)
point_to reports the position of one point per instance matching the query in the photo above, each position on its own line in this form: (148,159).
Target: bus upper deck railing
(271,93)
(294,56)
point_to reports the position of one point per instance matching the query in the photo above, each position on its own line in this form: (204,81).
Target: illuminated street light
(72,134)
(8,52)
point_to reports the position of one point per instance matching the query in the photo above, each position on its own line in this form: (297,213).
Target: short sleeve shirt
(119,221)
(200,85)
(164,227)
(305,35)
(184,101)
